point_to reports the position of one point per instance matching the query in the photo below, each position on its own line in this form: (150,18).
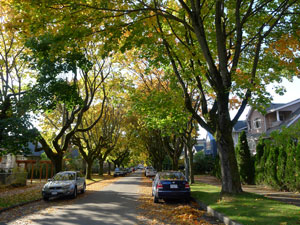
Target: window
(257,123)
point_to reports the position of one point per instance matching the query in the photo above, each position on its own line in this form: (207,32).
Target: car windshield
(117,169)
(64,176)
(172,176)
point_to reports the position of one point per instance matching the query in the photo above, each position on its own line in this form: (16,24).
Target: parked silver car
(67,183)
(150,172)
(119,172)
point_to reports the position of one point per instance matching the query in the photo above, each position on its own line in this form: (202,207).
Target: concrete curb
(226,220)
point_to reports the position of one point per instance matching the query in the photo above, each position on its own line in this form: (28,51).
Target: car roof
(67,172)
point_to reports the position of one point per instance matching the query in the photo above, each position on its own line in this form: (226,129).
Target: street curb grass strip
(226,220)
(36,200)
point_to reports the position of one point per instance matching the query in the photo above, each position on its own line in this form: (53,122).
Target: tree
(16,129)
(154,142)
(68,81)
(91,142)
(244,160)
(218,47)
(110,127)
(218,60)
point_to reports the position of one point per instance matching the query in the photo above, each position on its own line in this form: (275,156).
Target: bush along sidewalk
(247,208)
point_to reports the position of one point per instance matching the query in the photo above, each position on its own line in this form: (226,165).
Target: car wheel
(74,195)
(46,199)
(83,189)
(155,200)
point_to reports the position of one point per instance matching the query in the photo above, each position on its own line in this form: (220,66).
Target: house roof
(240,126)
(198,148)
(32,148)
(279,106)
(275,106)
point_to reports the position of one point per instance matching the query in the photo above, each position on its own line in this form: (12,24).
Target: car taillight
(187,185)
(159,186)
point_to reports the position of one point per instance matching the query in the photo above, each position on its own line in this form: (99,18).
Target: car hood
(59,183)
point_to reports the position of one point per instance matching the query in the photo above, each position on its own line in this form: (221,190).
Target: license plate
(173,186)
(54,193)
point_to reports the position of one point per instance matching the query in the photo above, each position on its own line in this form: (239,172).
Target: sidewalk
(286,197)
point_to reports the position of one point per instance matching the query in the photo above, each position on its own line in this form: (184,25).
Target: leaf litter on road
(167,213)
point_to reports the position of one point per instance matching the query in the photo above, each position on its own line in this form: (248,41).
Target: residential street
(114,204)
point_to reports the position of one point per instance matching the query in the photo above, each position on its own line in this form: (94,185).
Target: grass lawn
(247,208)
(10,196)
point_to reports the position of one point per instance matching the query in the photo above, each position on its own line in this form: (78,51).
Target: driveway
(114,204)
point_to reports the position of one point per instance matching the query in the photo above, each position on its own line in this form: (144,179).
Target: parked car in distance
(140,167)
(147,168)
(170,185)
(66,183)
(120,172)
(150,172)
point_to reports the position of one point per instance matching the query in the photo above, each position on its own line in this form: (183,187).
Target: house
(199,146)
(211,145)
(275,117)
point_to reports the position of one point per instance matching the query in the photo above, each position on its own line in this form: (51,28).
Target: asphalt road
(114,204)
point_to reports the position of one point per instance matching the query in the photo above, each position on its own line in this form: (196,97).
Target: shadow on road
(102,207)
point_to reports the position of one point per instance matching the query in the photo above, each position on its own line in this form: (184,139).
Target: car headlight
(45,188)
(69,187)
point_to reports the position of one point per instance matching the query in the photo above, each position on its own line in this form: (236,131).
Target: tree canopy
(220,53)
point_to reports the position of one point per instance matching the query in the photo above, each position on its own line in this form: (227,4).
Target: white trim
(290,123)
(277,116)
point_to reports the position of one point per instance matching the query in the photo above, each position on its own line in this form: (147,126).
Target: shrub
(260,161)
(270,172)
(281,164)
(244,160)
(203,163)
(290,171)
(19,177)
(217,168)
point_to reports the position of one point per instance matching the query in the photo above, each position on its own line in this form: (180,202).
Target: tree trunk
(191,167)
(89,170)
(101,163)
(174,163)
(231,183)
(57,161)
(109,168)
(230,175)
(186,164)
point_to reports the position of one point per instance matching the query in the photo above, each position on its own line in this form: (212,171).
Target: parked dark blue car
(170,185)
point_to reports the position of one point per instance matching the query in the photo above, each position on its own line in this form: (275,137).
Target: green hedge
(277,161)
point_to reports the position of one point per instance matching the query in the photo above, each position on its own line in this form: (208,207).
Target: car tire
(155,199)
(46,199)
(83,189)
(74,195)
